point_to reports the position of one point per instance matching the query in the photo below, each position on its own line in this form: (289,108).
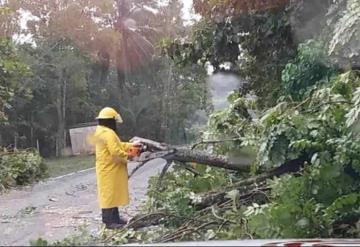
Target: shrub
(20,168)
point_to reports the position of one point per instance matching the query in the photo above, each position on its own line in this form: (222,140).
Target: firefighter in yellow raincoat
(111,168)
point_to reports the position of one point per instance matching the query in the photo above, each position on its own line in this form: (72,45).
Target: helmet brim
(117,118)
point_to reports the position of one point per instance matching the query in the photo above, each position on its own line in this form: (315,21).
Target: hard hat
(109,113)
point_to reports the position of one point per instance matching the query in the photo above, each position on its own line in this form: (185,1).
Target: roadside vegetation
(24,167)
(20,168)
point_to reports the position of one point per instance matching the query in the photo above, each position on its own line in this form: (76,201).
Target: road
(55,208)
(268,243)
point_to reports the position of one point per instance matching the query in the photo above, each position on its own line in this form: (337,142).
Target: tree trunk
(32,129)
(201,157)
(64,115)
(186,154)
(166,107)
(121,74)
(15,140)
(61,112)
(104,65)
(121,53)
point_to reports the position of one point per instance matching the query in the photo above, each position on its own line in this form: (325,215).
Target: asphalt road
(54,209)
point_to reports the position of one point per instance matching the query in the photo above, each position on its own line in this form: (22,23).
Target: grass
(62,166)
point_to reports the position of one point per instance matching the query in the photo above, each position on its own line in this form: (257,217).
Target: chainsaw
(142,153)
(136,150)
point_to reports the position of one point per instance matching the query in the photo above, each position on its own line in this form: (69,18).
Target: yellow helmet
(109,113)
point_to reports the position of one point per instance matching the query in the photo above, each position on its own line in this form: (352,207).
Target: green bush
(20,168)
(311,67)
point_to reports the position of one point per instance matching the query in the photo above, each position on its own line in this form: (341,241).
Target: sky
(187,14)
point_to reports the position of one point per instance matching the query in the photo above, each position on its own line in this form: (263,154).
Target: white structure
(79,138)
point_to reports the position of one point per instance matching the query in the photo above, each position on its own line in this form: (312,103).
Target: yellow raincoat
(111,168)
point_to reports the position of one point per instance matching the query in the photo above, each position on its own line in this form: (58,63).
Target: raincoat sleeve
(126,145)
(117,149)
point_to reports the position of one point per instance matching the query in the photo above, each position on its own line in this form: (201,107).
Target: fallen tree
(185,154)
(249,190)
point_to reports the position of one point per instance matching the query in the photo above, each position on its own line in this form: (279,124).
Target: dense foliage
(20,168)
(323,202)
(62,76)
(12,72)
(310,66)
(254,46)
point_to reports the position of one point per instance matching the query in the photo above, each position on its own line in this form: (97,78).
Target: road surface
(268,243)
(54,209)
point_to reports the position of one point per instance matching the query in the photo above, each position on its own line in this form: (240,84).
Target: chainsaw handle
(134,151)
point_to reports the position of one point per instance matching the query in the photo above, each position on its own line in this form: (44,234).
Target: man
(111,168)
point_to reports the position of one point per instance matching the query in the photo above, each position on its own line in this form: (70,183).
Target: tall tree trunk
(104,65)
(15,140)
(165,107)
(64,114)
(122,10)
(121,74)
(32,129)
(61,112)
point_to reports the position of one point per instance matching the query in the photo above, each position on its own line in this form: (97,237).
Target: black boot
(111,218)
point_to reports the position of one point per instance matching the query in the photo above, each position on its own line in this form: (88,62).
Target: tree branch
(317,107)
(253,182)
(162,174)
(188,168)
(140,221)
